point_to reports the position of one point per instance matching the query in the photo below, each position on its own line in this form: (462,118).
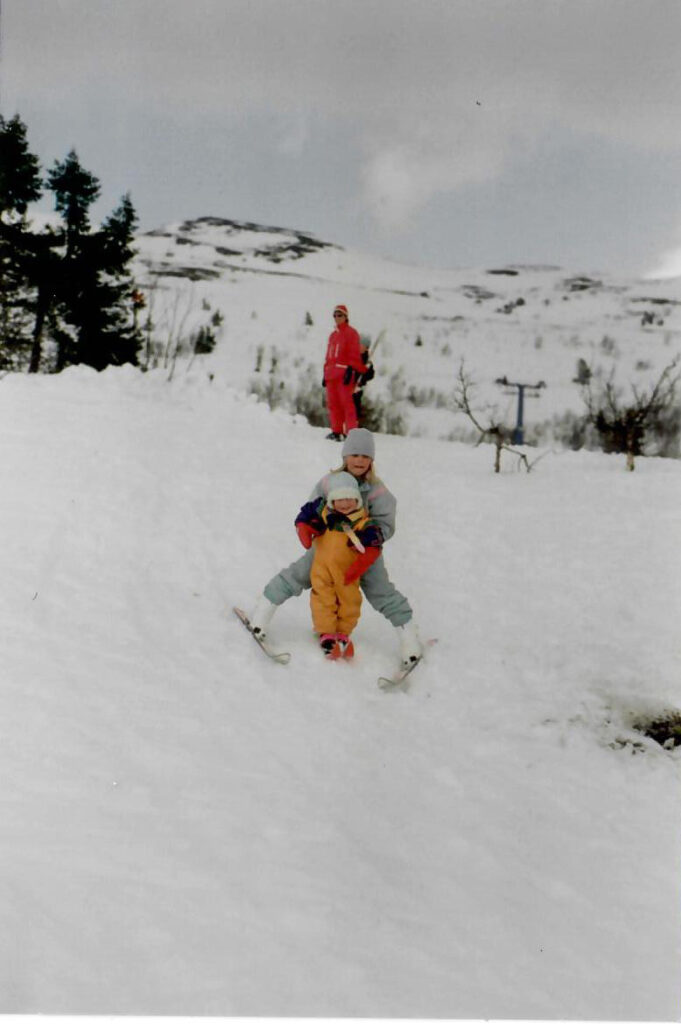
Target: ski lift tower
(512,388)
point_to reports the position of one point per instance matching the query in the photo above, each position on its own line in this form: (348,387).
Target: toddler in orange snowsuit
(346,543)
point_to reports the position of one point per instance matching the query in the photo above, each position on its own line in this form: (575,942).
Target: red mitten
(361,564)
(306,533)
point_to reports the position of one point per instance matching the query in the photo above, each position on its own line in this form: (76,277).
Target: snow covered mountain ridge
(255,245)
(243,239)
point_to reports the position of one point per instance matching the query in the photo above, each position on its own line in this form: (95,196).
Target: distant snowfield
(276,289)
(190,829)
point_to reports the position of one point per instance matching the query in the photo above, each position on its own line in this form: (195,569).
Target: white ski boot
(411,648)
(261,616)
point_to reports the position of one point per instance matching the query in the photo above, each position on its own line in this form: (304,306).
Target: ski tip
(391,685)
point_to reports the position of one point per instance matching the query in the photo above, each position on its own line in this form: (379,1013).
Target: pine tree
(69,284)
(94,286)
(20,182)
(20,185)
(109,335)
(75,190)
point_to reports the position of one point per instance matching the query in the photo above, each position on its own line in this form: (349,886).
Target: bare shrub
(625,425)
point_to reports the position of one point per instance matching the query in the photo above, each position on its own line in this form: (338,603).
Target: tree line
(66,290)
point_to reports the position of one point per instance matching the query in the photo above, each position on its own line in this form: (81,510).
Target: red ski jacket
(342,351)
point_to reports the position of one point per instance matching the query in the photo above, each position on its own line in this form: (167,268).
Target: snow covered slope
(189,829)
(276,289)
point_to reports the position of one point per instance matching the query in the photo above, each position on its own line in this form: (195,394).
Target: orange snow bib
(335,604)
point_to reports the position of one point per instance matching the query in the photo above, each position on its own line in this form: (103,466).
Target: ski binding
(399,680)
(281,657)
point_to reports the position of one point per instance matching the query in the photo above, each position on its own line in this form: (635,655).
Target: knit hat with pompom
(343,485)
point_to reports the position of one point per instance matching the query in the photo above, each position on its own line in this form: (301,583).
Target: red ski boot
(330,647)
(345,644)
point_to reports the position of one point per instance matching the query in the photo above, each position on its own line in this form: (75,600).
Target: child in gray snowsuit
(380,592)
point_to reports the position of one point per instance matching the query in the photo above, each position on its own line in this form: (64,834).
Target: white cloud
(668,266)
(391,189)
(399,179)
(414,156)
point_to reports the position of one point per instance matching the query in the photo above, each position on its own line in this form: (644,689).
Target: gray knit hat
(360,442)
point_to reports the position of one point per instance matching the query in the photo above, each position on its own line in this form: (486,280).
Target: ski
(281,657)
(377,341)
(399,681)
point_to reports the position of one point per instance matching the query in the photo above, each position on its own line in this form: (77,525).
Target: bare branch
(494,429)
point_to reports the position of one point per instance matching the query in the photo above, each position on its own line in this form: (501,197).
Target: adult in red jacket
(342,366)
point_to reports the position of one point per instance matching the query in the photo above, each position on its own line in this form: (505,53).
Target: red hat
(341,309)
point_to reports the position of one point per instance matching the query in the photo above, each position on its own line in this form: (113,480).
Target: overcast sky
(443,132)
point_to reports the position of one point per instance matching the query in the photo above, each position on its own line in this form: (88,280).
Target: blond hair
(370,476)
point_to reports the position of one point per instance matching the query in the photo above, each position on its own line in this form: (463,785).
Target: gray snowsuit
(379,591)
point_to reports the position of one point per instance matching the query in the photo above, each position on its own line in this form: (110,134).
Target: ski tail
(400,680)
(281,657)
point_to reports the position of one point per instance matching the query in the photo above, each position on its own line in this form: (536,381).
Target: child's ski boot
(336,645)
(329,646)
(345,644)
